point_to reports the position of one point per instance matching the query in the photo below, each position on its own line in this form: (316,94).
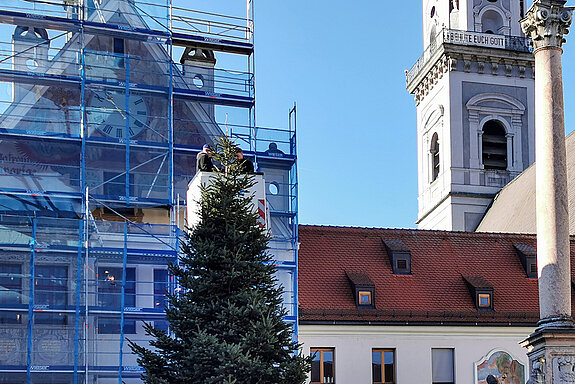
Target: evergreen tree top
(226,320)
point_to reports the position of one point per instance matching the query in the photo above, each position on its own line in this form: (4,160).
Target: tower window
(494,146)
(435,157)
(491,22)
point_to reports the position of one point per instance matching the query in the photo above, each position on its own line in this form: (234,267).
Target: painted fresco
(502,366)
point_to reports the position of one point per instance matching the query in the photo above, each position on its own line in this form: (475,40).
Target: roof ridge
(419,230)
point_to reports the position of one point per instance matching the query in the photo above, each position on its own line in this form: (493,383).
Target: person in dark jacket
(492,379)
(204,160)
(246,165)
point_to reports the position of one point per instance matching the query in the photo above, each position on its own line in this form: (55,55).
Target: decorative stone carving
(467,63)
(494,67)
(452,64)
(480,64)
(564,370)
(522,71)
(546,23)
(508,68)
(536,375)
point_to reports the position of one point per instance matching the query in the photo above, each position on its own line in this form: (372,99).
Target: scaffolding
(104,105)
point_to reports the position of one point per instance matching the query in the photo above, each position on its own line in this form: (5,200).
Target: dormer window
(481,291)
(399,256)
(363,289)
(528,257)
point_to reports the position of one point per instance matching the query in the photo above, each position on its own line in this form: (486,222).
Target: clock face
(108,115)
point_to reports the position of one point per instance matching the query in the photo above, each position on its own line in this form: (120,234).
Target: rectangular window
(364,298)
(383,366)
(322,366)
(119,48)
(110,287)
(160,287)
(10,291)
(50,289)
(401,264)
(484,300)
(118,45)
(443,371)
(111,326)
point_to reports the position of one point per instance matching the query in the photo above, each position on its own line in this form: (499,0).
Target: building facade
(473,88)
(103,108)
(416,306)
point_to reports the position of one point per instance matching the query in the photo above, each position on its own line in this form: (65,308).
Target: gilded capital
(547,22)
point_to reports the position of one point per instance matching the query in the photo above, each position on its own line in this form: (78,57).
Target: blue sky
(343,63)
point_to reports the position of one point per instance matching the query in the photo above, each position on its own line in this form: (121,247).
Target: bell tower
(474,94)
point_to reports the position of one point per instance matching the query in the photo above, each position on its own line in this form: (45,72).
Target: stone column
(546,23)
(551,348)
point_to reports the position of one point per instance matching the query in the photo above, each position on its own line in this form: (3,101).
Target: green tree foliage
(226,320)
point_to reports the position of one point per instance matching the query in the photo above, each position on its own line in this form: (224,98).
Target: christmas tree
(226,320)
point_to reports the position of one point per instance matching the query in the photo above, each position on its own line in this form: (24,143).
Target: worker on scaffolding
(204,160)
(245,165)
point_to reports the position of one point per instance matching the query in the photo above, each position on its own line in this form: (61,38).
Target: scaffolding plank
(9,75)
(125,31)
(221,45)
(180,39)
(214,97)
(36,20)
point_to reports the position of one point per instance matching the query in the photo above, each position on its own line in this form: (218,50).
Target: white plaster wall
(413,344)
(440,218)
(431,193)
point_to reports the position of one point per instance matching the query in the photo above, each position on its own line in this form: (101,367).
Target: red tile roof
(435,291)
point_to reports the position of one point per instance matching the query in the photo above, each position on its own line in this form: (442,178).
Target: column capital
(547,22)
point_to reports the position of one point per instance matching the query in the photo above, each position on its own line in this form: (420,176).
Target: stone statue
(536,376)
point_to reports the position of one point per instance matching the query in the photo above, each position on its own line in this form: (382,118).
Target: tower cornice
(468,59)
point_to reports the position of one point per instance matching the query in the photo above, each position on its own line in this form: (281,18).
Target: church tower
(474,91)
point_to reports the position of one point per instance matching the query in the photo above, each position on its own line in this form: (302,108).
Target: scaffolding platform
(104,106)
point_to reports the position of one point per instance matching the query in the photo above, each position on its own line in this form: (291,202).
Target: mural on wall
(499,365)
